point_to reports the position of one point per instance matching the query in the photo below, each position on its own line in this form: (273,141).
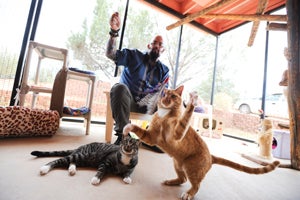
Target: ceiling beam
(187,6)
(278,18)
(262,4)
(196,15)
(277,27)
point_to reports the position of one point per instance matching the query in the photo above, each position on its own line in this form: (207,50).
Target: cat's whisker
(127,152)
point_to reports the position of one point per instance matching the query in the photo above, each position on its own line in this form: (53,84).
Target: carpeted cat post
(265,139)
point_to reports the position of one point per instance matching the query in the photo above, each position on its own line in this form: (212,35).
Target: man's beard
(153,55)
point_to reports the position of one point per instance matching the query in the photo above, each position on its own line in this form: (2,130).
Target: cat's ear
(179,90)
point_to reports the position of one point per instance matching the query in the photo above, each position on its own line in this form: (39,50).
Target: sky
(57,20)
(60,21)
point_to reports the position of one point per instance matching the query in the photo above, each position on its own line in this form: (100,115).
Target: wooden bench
(197,125)
(110,121)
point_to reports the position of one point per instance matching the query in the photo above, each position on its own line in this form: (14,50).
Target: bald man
(143,74)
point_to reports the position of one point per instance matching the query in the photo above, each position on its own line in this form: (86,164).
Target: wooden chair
(197,119)
(110,121)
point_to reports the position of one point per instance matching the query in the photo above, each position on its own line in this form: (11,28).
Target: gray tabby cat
(107,158)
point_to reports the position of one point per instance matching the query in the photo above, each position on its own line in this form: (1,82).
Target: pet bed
(17,121)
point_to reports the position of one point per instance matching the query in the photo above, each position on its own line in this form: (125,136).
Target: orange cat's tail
(243,168)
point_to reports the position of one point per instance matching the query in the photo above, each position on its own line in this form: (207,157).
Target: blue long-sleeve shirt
(139,81)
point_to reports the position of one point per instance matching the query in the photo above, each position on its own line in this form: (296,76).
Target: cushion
(17,121)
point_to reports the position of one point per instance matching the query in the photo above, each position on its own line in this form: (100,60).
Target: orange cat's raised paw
(127,129)
(193,98)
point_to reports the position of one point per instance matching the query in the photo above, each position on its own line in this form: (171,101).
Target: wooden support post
(293,10)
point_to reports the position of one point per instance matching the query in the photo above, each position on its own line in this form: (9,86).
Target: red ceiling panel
(182,8)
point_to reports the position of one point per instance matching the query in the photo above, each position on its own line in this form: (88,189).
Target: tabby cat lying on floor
(107,158)
(170,131)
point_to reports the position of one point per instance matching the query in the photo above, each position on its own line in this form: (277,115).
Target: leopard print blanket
(16,121)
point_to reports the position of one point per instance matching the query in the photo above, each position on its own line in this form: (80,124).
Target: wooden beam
(195,15)
(277,27)
(254,29)
(293,10)
(278,18)
(260,10)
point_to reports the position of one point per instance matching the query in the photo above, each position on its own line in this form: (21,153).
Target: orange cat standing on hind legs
(170,131)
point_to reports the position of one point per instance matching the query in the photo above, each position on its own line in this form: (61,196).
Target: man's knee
(119,90)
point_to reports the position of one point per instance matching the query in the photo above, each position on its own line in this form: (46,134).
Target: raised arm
(114,33)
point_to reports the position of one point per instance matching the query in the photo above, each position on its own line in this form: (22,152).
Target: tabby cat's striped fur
(170,131)
(107,158)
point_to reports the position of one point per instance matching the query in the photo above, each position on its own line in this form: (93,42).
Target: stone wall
(244,122)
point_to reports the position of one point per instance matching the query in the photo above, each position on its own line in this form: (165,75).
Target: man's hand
(115,22)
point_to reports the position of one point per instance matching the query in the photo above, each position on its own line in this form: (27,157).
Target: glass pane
(13,18)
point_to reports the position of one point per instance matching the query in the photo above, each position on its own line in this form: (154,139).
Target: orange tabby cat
(170,130)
